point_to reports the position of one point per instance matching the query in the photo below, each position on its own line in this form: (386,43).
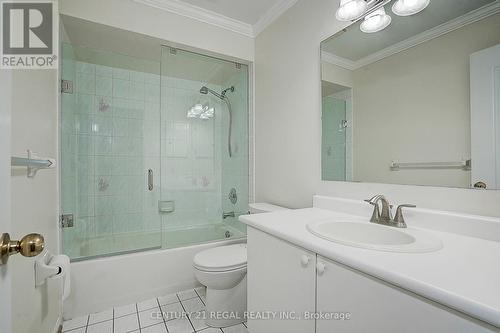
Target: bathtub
(102,283)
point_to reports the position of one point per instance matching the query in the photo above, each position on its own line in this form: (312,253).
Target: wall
(34,201)
(402,97)
(129,15)
(288,126)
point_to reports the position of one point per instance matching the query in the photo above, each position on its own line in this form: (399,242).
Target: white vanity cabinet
(376,306)
(281,279)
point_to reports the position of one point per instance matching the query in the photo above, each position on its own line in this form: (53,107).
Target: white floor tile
(168,299)
(160,328)
(105,327)
(101,316)
(172,311)
(146,305)
(181,325)
(126,324)
(78,330)
(211,330)
(125,310)
(235,329)
(75,323)
(193,305)
(201,291)
(187,294)
(195,308)
(150,317)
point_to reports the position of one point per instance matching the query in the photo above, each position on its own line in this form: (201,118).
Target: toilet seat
(222,258)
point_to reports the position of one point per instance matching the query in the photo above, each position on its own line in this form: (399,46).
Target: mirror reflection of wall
(409,92)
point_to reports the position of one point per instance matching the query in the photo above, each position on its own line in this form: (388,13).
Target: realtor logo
(28,35)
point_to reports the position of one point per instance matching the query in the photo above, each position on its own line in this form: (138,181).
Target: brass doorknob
(29,246)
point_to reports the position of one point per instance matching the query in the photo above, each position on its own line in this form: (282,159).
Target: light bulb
(351,9)
(376,21)
(409,7)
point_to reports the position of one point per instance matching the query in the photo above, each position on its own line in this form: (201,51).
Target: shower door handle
(150,179)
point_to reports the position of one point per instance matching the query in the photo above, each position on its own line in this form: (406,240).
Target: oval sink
(375,236)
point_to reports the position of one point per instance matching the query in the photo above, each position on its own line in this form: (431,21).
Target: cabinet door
(281,280)
(376,306)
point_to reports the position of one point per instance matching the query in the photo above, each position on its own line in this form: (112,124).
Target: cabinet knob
(304,260)
(320,268)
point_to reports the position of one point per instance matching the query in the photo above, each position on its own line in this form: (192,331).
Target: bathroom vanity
(294,273)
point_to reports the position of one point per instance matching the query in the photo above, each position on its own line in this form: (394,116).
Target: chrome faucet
(384,215)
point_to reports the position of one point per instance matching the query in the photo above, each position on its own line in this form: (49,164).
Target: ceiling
(354,45)
(246,17)
(242,10)
(104,45)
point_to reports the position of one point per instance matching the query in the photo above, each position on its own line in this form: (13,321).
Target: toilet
(223,270)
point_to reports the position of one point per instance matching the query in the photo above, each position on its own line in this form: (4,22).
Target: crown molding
(457,23)
(210,17)
(272,15)
(200,14)
(339,61)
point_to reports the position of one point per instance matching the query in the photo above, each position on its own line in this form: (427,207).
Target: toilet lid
(222,258)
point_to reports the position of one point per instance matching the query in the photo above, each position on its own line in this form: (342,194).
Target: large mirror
(417,102)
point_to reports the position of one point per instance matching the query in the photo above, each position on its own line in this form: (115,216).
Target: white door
(281,281)
(485,117)
(5,274)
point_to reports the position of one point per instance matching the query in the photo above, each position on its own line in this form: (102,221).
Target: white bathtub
(99,284)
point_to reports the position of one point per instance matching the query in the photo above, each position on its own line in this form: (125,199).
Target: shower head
(205,90)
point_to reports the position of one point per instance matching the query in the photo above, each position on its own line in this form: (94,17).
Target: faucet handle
(399,219)
(372,200)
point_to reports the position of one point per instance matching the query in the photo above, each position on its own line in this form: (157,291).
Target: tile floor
(145,317)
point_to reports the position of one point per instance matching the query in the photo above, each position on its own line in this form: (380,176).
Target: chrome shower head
(205,90)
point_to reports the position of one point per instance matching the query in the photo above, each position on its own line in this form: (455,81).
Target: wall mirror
(414,99)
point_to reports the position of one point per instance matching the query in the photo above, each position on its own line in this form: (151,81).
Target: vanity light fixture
(409,7)
(376,21)
(195,111)
(351,9)
(201,111)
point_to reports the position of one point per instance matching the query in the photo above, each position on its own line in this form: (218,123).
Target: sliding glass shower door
(204,155)
(110,153)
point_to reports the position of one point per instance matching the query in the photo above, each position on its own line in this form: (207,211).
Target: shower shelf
(32,163)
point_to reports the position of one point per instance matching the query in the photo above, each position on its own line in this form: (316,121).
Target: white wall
(416,105)
(132,16)
(288,127)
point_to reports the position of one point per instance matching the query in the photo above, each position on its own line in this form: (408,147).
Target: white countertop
(463,275)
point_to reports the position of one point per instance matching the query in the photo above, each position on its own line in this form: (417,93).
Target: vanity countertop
(463,275)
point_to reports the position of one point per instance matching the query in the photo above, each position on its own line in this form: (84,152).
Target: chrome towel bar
(463,165)
(32,163)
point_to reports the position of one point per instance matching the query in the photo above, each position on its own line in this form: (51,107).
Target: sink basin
(375,237)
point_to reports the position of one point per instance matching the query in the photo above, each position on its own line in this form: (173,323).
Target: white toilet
(223,270)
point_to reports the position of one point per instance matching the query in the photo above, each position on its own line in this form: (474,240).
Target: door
(281,283)
(5,226)
(353,302)
(485,117)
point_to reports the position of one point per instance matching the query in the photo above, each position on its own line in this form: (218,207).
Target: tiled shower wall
(119,122)
(191,161)
(109,138)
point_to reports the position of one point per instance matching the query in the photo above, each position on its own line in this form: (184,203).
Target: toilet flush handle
(304,260)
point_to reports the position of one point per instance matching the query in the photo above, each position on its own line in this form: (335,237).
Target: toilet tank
(263,207)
